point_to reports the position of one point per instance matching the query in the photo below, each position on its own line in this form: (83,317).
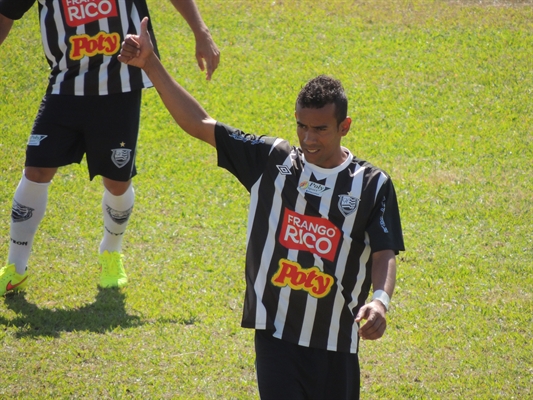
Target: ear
(345,126)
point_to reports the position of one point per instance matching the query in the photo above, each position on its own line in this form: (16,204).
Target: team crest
(347,204)
(20,213)
(119,217)
(120,157)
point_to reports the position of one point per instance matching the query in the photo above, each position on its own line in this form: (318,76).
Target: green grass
(440,97)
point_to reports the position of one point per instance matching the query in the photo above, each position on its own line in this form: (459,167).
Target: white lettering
(292,233)
(73,13)
(328,244)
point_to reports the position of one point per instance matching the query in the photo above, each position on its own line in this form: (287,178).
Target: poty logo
(315,282)
(80,12)
(310,187)
(85,45)
(314,234)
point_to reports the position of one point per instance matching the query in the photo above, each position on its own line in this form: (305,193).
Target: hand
(207,50)
(137,49)
(375,325)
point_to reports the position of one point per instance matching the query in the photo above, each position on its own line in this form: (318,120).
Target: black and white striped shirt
(311,232)
(81,41)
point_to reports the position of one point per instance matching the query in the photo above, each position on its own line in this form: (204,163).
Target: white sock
(29,205)
(117,211)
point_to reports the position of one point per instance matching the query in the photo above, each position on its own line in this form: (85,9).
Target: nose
(308,136)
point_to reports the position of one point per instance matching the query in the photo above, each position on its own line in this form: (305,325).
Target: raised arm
(383,280)
(5,27)
(206,49)
(137,50)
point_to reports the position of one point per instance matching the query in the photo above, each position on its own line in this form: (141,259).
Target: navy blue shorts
(288,371)
(104,128)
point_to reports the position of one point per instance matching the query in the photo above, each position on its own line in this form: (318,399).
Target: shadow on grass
(105,314)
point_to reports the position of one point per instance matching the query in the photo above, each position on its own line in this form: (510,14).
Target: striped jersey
(311,232)
(81,41)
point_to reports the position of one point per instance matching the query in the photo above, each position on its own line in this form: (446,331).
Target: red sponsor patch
(79,12)
(85,45)
(314,234)
(315,282)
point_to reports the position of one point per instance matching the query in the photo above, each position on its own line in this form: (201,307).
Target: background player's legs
(117,205)
(29,205)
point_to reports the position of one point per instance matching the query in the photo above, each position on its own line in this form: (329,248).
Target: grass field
(441,98)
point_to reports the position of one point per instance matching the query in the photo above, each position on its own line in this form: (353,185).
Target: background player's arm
(207,53)
(5,27)
(137,50)
(383,278)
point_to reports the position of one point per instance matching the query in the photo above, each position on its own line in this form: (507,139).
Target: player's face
(320,135)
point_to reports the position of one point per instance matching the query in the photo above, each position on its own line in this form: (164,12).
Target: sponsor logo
(284,170)
(314,234)
(20,213)
(18,243)
(348,204)
(80,12)
(316,189)
(120,157)
(35,140)
(247,138)
(315,282)
(85,45)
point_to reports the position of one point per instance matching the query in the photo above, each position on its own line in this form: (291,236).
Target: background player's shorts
(104,128)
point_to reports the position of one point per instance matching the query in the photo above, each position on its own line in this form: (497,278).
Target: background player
(82,113)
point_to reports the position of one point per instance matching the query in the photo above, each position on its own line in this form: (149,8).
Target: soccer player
(324,227)
(82,113)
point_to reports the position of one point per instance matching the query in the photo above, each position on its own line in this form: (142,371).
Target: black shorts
(105,128)
(288,371)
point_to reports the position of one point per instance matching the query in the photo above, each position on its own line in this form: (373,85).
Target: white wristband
(383,297)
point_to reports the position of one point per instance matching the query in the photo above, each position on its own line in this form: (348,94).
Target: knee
(39,175)
(116,188)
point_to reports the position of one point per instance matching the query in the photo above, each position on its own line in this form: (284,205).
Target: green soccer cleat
(10,281)
(112,270)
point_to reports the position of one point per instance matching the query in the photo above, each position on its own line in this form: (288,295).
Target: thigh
(287,370)
(56,138)
(111,135)
(277,374)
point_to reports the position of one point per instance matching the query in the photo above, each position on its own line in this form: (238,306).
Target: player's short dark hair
(323,90)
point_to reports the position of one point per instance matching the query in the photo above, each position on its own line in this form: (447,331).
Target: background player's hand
(207,55)
(137,49)
(376,323)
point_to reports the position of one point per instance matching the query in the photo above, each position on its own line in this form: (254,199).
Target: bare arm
(5,27)
(383,278)
(186,111)
(206,49)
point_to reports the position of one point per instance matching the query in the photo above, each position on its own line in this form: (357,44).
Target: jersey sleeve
(244,155)
(15,9)
(384,227)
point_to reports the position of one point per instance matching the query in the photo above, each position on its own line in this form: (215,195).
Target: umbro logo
(284,170)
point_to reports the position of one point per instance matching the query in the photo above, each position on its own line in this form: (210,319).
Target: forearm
(5,27)
(190,13)
(384,271)
(183,107)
